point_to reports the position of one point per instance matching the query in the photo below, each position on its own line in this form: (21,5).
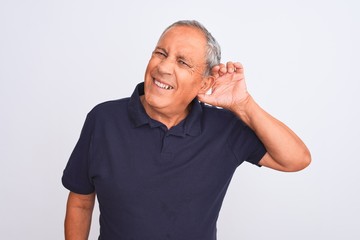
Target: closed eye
(182,62)
(160,53)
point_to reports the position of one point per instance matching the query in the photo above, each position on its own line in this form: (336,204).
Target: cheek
(189,91)
(191,84)
(150,66)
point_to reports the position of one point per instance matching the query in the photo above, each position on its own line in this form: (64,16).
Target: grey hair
(213,51)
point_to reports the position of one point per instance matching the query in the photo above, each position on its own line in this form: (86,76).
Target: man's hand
(285,150)
(229,88)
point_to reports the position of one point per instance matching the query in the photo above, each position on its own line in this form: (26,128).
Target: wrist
(244,109)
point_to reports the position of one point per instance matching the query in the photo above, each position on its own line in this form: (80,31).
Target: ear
(206,84)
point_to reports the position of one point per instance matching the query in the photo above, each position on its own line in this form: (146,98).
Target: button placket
(166,154)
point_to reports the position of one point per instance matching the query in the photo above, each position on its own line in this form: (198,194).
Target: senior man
(160,162)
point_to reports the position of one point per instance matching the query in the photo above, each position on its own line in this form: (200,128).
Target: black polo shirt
(153,183)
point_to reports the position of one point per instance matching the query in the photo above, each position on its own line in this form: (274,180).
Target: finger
(238,67)
(215,71)
(222,69)
(230,67)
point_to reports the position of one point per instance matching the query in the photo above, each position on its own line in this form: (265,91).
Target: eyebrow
(162,49)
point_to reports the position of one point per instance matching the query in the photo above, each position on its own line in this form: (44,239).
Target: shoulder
(218,115)
(221,121)
(113,109)
(110,106)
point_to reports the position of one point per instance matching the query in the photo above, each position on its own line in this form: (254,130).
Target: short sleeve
(245,145)
(76,173)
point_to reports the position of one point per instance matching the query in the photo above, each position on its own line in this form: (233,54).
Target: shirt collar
(191,125)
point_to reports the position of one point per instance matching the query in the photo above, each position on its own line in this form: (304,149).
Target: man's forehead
(185,38)
(187,32)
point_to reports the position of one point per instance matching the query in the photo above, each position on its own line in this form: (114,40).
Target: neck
(168,118)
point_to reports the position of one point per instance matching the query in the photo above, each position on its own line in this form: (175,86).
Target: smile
(162,85)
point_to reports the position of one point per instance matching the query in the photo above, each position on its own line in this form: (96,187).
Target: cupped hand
(229,88)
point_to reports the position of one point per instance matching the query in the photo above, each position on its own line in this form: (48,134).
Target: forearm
(281,143)
(78,216)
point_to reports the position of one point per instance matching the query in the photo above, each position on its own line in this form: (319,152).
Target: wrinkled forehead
(186,38)
(190,32)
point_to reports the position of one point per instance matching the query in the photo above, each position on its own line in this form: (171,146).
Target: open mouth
(162,85)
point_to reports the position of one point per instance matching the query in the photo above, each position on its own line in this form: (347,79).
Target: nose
(166,66)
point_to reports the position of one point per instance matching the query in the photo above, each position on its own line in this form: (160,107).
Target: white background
(60,58)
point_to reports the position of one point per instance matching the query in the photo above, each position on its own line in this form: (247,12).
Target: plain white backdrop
(60,58)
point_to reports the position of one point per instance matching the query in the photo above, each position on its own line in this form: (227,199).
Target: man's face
(174,75)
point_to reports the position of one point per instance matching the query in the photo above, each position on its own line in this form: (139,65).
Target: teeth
(162,85)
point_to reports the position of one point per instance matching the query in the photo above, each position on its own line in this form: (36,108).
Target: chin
(156,101)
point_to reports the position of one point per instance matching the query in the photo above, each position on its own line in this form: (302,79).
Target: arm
(78,216)
(285,150)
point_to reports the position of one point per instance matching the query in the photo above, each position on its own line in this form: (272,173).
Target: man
(160,162)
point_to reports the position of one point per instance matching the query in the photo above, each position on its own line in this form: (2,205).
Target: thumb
(205,98)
